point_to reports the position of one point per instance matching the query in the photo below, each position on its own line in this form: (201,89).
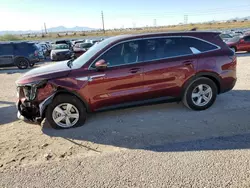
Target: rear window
(25,47)
(60,46)
(234,39)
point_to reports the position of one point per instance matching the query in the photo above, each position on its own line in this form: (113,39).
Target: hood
(46,72)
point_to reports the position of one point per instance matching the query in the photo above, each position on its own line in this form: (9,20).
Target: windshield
(234,39)
(60,46)
(79,62)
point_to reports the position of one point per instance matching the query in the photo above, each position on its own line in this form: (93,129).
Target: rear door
(6,54)
(168,63)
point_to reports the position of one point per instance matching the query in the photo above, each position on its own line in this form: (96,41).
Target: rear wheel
(22,63)
(66,111)
(200,94)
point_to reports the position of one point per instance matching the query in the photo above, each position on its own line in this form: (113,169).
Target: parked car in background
(45,48)
(239,43)
(193,67)
(61,52)
(81,48)
(20,54)
(225,36)
(78,41)
(64,42)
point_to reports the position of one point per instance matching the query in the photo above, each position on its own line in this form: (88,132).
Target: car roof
(14,42)
(162,34)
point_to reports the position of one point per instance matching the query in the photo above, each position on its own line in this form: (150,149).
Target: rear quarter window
(200,45)
(6,49)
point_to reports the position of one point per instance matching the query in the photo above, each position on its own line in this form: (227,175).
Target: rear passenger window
(165,48)
(200,45)
(6,49)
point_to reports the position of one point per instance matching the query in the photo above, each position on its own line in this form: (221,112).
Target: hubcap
(65,115)
(202,94)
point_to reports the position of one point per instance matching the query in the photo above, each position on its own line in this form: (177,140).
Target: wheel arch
(64,91)
(210,75)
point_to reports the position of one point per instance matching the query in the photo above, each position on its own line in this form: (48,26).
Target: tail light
(36,53)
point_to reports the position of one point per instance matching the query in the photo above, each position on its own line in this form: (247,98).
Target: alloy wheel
(202,95)
(65,115)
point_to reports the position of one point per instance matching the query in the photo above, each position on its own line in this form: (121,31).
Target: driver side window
(121,54)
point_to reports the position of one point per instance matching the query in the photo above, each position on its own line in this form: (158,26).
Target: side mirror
(101,65)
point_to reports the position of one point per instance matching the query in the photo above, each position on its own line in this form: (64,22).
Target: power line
(198,12)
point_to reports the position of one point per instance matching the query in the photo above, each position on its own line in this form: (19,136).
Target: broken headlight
(30,90)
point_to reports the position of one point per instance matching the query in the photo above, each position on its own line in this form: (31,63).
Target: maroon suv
(126,70)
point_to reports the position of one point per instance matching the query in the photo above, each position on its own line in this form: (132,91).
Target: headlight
(30,90)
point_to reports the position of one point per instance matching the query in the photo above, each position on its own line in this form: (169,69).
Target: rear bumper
(229,86)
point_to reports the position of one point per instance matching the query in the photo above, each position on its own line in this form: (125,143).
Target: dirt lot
(164,145)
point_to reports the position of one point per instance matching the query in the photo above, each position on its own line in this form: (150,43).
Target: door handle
(134,70)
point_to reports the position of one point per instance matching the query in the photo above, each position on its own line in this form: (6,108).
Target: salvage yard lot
(156,145)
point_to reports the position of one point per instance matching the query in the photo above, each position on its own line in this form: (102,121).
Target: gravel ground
(164,145)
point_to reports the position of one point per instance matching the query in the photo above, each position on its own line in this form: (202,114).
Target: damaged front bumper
(33,100)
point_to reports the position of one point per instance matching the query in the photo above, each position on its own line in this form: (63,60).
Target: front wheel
(200,94)
(66,111)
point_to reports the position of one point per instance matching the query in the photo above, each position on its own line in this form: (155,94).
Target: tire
(22,63)
(62,101)
(31,64)
(192,94)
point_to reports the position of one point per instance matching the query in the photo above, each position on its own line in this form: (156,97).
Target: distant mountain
(64,29)
(52,29)
(240,19)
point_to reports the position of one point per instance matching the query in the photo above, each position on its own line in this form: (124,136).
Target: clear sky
(31,14)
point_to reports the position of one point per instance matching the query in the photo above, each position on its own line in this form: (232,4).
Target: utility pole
(103,23)
(155,23)
(185,19)
(45,29)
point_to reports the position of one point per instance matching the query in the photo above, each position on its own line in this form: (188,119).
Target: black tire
(31,64)
(66,98)
(22,63)
(187,97)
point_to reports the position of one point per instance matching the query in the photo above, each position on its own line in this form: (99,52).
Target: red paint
(242,44)
(144,80)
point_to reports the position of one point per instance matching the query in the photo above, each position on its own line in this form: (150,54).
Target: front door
(122,81)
